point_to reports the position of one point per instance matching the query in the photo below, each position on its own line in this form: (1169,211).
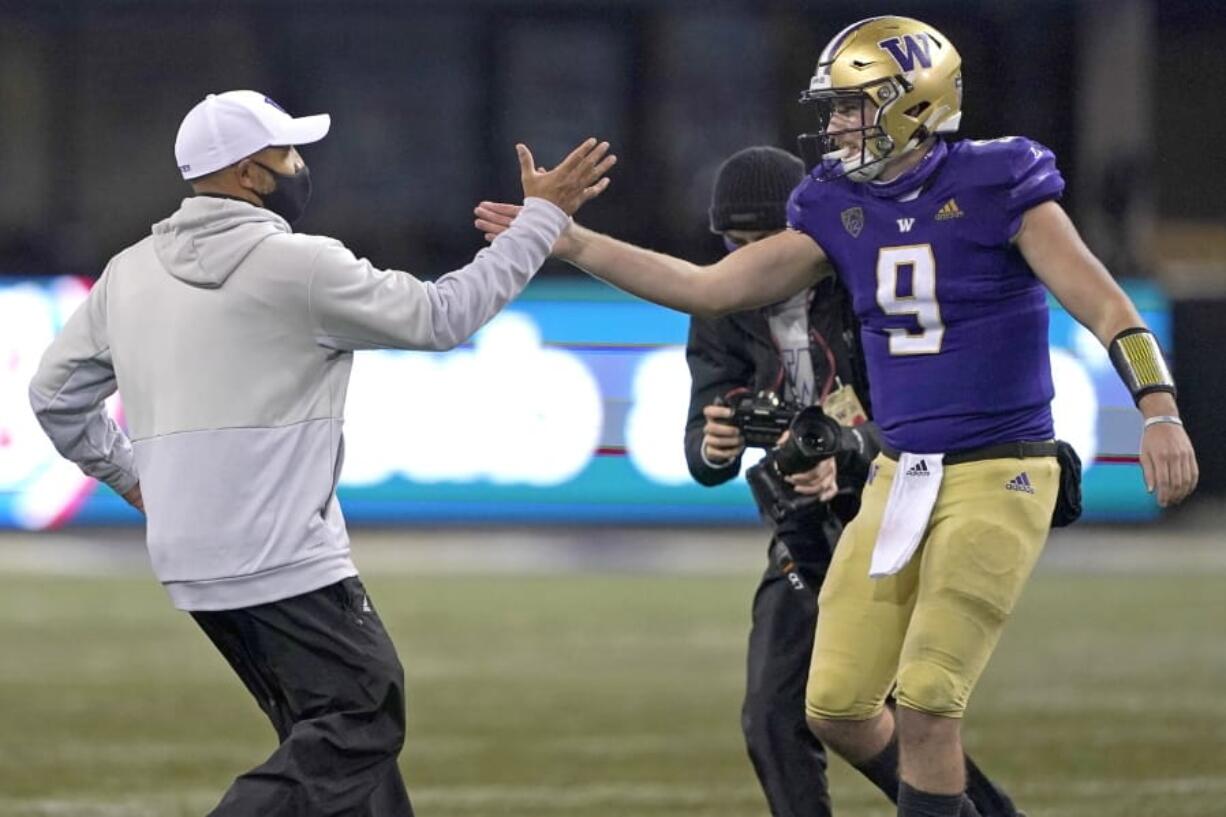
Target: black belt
(1003,451)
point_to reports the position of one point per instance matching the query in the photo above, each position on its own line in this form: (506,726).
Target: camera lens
(814,437)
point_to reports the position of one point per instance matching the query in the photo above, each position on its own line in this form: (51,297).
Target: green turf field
(602,694)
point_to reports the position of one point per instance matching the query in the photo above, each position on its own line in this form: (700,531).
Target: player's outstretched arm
(1061,260)
(761,273)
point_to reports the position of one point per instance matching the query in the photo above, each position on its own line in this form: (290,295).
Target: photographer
(806,352)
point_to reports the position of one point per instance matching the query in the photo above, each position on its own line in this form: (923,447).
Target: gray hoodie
(230,339)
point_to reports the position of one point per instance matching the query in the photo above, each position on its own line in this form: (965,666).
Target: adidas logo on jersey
(920,469)
(949,210)
(1020,483)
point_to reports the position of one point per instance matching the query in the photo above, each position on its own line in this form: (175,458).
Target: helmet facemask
(876,147)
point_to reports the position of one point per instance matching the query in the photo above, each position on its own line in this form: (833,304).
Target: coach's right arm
(356,305)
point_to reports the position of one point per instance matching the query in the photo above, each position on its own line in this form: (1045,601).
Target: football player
(807,351)
(946,247)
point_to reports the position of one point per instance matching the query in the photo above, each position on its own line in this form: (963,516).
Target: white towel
(913,493)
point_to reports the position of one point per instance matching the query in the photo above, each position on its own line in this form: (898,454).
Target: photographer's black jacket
(738,350)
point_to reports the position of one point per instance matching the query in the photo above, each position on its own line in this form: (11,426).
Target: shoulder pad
(1017,172)
(1004,161)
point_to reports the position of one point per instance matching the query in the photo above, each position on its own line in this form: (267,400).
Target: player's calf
(982,798)
(855,740)
(930,751)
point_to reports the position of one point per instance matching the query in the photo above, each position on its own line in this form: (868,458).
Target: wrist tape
(1138,360)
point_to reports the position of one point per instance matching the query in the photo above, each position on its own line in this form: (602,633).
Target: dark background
(429,97)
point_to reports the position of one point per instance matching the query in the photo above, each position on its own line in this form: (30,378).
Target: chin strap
(926,130)
(858,173)
(950,125)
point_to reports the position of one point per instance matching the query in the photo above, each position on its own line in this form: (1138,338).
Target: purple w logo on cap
(909,48)
(275,105)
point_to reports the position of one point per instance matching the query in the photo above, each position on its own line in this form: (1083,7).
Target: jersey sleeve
(1031,179)
(800,209)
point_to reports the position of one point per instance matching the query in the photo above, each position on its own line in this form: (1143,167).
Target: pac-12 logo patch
(853,221)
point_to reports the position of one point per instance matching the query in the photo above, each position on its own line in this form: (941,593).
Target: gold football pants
(931,627)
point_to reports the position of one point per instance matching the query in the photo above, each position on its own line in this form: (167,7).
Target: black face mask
(289,198)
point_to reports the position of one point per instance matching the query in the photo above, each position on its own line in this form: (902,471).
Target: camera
(814,437)
(761,417)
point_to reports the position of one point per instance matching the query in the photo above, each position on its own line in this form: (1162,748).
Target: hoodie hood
(208,237)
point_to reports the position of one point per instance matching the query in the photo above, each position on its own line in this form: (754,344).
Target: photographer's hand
(821,482)
(721,442)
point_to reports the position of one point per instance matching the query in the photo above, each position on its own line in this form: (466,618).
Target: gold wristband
(1139,362)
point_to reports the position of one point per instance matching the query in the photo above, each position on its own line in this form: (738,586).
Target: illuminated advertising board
(568,407)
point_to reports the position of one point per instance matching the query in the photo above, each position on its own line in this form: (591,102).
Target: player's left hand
(494,217)
(821,481)
(1169,463)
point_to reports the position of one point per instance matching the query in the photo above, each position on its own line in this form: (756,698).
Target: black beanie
(752,188)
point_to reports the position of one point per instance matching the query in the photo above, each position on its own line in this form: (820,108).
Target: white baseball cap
(224,128)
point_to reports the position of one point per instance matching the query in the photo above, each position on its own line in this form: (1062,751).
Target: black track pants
(323,669)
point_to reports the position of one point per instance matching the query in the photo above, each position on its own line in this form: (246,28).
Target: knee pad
(836,695)
(926,686)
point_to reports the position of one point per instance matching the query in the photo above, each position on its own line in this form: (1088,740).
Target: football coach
(230,339)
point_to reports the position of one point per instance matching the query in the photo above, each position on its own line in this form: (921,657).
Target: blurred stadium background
(571,610)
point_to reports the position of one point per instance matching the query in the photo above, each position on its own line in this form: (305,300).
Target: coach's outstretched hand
(578,179)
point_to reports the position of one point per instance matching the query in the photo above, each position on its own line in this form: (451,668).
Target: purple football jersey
(953,321)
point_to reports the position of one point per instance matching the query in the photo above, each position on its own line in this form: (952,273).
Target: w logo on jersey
(907,49)
(905,225)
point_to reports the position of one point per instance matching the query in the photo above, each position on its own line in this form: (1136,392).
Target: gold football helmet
(910,73)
